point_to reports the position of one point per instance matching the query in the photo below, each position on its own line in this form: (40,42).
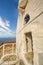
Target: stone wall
(34,9)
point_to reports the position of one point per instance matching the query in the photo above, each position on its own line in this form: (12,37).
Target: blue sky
(8,17)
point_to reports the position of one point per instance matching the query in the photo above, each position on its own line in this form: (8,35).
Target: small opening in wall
(27,18)
(29,41)
(29,47)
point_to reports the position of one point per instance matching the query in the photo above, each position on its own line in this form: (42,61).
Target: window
(29,44)
(27,18)
(29,47)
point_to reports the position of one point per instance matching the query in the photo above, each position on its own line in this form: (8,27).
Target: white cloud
(3,24)
(7,23)
(5,31)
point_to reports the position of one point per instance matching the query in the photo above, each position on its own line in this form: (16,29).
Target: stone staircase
(8,54)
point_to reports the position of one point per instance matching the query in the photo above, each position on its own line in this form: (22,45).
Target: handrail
(3,50)
(9,61)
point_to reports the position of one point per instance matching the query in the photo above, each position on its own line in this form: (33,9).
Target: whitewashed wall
(35,9)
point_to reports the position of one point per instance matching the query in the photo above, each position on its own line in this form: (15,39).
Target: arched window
(27,18)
